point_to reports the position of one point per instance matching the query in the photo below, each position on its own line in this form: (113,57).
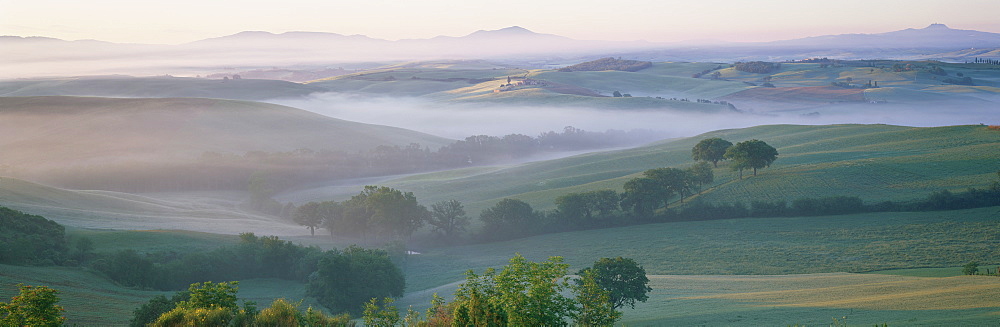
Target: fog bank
(458,121)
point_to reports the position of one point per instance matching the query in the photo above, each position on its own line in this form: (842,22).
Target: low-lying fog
(458,121)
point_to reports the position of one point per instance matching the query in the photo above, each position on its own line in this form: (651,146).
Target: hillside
(157,87)
(813,161)
(54,131)
(211,212)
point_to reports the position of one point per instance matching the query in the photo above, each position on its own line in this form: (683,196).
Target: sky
(181,21)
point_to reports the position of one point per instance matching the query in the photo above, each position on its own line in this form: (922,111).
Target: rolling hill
(210,212)
(56,131)
(813,161)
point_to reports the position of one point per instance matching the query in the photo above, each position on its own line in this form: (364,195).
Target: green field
(757,271)
(770,271)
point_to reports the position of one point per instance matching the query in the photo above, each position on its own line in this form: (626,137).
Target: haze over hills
(932,36)
(39,56)
(48,132)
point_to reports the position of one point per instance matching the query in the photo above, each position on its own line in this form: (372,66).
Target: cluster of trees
(383,214)
(752,154)
(937,70)
(525,293)
(31,240)
(378,212)
(702,73)
(759,67)
(608,63)
(959,81)
(333,277)
(215,304)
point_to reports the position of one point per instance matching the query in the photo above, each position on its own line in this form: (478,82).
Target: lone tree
(448,218)
(971,268)
(624,279)
(309,215)
(752,154)
(713,149)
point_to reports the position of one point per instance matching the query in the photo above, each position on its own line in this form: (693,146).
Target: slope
(813,161)
(40,131)
(214,212)
(157,87)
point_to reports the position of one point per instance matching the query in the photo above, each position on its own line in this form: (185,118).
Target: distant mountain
(932,36)
(251,50)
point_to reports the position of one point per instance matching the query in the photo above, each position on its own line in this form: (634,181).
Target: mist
(457,121)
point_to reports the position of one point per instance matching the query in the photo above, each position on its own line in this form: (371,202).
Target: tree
(971,268)
(595,307)
(670,181)
(448,218)
(623,278)
(332,214)
(396,214)
(33,306)
(155,307)
(384,315)
(281,313)
(508,218)
(345,280)
(700,174)
(523,293)
(713,149)
(642,196)
(210,304)
(586,204)
(309,215)
(574,206)
(752,154)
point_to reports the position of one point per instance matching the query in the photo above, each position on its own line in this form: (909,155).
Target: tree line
(383,213)
(332,277)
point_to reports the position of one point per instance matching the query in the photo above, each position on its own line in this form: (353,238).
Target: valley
(401,165)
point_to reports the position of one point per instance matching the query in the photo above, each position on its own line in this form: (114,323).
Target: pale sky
(181,21)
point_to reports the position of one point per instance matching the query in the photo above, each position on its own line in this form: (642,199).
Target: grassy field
(759,271)
(772,271)
(813,161)
(758,246)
